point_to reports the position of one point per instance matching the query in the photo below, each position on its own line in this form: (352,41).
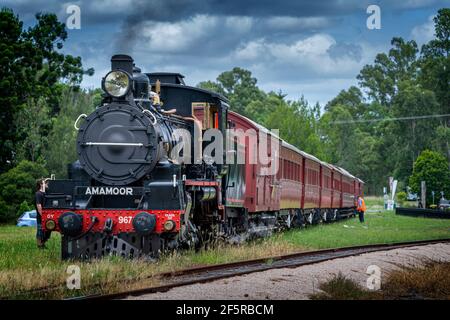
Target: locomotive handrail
(124,144)
(151,114)
(83,115)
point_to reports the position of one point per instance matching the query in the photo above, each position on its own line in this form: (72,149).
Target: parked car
(411,197)
(27,219)
(444,204)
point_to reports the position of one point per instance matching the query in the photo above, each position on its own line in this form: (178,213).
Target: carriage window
(294,171)
(291,175)
(279,169)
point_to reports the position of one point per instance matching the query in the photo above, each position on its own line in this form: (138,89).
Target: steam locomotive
(139,187)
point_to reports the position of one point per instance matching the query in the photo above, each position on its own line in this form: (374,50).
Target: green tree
(212,86)
(32,123)
(432,168)
(435,60)
(24,206)
(31,66)
(414,135)
(239,86)
(61,147)
(381,79)
(398,87)
(401,198)
(18,185)
(435,75)
(351,140)
(352,99)
(297,122)
(442,140)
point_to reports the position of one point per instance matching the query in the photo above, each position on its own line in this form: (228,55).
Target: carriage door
(269,188)
(275,183)
(272,191)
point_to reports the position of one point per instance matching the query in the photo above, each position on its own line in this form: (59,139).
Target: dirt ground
(299,283)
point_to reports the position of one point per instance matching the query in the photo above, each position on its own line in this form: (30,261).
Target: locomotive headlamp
(117,83)
(169,225)
(50,225)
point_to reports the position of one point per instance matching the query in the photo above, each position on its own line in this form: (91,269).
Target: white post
(423,195)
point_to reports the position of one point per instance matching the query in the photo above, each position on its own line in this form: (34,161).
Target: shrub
(18,185)
(401,197)
(342,288)
(24,206)
(431,167)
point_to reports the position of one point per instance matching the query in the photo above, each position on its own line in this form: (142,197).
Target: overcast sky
(315,48)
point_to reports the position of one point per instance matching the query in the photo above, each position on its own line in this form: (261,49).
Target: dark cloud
(173,10)
(176,10)
(339,50)
(312,47)
(136,11)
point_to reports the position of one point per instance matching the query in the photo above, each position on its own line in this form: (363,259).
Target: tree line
(40,97)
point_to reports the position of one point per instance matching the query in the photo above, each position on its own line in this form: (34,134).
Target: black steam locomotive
(125,195)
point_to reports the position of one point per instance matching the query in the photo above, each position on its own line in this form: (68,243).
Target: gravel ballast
(300,282)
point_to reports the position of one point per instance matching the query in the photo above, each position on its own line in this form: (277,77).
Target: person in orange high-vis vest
(361,208)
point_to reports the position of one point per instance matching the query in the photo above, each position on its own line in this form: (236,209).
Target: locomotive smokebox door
(117,144)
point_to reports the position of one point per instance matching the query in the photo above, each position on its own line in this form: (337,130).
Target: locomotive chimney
(123,62)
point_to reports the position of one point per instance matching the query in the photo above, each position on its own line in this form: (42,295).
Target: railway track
(222,271)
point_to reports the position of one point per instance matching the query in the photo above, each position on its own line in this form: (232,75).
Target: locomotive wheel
(316,217)
(310,218)
(299,219)
(335,215)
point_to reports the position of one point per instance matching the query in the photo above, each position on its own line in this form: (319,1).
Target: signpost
(389,203)
(423,194)
(385,197)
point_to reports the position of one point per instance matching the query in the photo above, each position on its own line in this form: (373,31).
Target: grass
(341,288)
(380,227)
(429,281)
(374,203)
(23,267)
